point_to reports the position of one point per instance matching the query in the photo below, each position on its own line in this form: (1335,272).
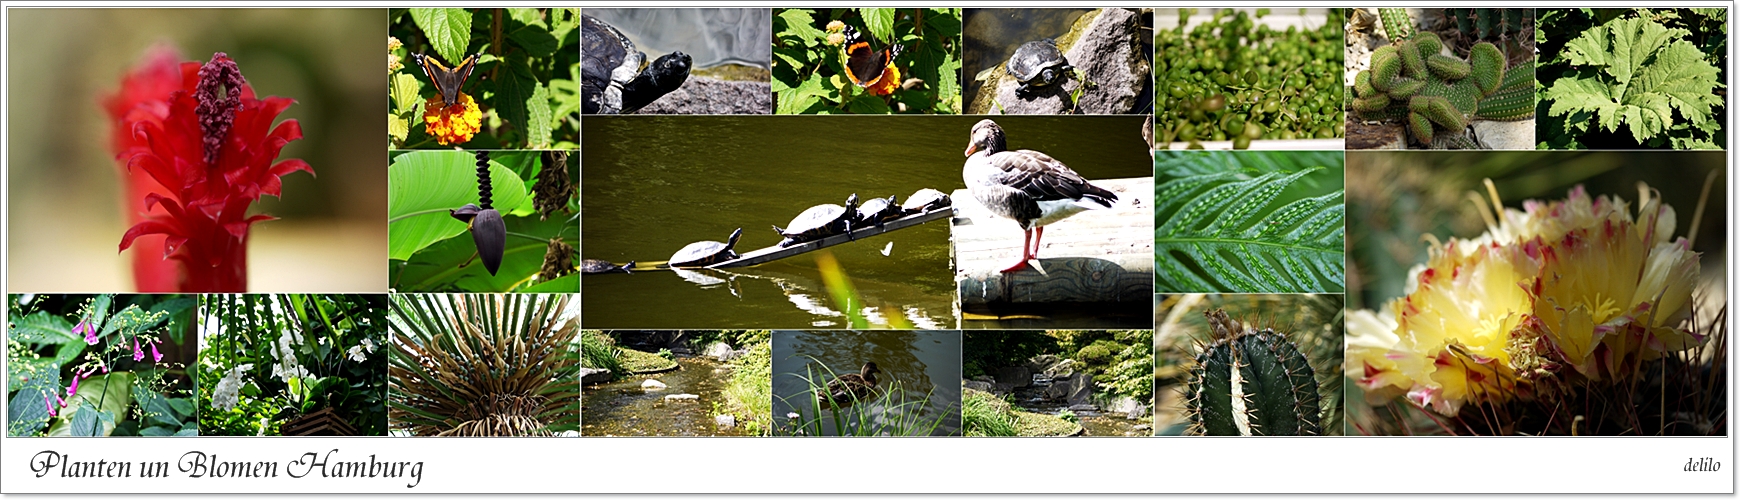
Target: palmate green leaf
(1636,73)
(1242,231)
(423,185)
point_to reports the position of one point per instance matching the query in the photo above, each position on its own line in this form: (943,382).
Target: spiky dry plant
(484,365)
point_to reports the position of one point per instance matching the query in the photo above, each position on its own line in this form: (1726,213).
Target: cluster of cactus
(1487,23)
(1411,80)
(1251,382)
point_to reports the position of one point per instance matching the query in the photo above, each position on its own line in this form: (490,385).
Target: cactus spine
(1252,382)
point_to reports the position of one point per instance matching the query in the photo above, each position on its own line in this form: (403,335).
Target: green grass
(750,392)
(597,351)
(644,362)
(984,414)
(888,414)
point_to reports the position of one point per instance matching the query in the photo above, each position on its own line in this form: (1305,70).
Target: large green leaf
(43,328)
(448,30)
(1249,222)
(93,410)
(423,185)
(452,265)
(31,383)
(1635,73)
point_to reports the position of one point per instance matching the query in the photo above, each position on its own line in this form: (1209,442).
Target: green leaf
(43,328)
(448,30)
(1240,231)
(515,88)
(407,93)
(565,284)
(157,431)
(880,22)
(33,383)
(804,96)
(538,118)
(92,410)
(1635,74)
(423,185)
(797,24)
(536,40)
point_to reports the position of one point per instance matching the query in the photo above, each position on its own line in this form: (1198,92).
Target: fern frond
(1233,231)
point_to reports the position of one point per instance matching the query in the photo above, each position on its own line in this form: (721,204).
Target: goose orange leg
(1026,253)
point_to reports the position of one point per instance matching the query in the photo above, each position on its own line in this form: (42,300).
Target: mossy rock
(1029,424)
(645,362)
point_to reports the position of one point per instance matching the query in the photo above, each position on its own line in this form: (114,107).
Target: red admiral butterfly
(447,81)
(865,67)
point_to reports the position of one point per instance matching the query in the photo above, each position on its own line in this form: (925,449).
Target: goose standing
(1028,187)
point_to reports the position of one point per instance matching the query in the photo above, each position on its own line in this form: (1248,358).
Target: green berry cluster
(1231,78)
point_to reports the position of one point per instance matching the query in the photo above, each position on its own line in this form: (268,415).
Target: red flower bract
(208,146)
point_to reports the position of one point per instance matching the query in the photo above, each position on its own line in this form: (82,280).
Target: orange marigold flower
(890,81)
(452,124)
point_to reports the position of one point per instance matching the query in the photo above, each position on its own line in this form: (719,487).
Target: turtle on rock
(820,221)
(1038,64)
(925,200)
(879,210)
(706,253)
(615,78)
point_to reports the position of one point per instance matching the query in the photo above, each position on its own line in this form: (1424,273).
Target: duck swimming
(1028,187)
(850,388)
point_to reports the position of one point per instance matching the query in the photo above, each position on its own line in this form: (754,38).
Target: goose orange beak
(971,148)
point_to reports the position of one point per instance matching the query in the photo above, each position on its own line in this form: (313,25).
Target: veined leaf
(1256,225)
(422,185)
(1635,73)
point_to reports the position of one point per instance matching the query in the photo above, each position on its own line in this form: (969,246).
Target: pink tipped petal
(138,355)
(156,357)
(49,403)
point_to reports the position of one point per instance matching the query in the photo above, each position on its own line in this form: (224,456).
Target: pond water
(622,408)
(651,185)
(926,366)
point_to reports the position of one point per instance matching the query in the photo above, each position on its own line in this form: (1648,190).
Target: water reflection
(924,365)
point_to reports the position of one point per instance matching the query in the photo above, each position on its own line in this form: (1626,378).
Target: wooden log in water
(776,252)
(1097,256)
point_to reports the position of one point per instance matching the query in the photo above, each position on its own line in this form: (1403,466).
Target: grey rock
(652,385)
(707,96)
(589,376)
(721,351)
(978,386)
(1083,407)
(681,397)
(1015,376)
(725,421)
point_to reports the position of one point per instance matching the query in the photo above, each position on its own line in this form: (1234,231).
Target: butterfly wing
(447,81)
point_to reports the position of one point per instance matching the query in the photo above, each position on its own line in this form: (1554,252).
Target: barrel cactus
(1251,382)
(1412,81)
(1487,23)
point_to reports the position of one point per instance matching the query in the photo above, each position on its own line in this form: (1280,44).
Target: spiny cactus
(1413,82)
(1396,23)
(1251,382)
(1487,23)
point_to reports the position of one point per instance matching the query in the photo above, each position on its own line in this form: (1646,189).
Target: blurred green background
(65,211)
(1395,197)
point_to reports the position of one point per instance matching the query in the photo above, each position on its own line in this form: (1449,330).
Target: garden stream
(622,408)
(654,184)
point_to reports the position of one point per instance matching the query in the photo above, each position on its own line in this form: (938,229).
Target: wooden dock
(1097,256)
(777,252)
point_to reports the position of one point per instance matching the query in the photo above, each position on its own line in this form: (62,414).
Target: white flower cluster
(228,389)
(287,368)
(359,353)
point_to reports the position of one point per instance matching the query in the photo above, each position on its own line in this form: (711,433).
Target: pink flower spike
(49,403)
(105,369)
(74,388)
(138,355)
(156,357)
(85,328)
(58,399)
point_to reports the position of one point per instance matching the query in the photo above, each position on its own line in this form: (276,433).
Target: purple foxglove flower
(138,355)
(85,328)
(156,357)
(49,403)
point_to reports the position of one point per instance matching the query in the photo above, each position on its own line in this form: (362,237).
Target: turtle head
(732,241)
(670,70)
(987,137)
(852,201)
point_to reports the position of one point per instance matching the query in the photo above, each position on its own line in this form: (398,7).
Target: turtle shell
(608,61)
(820,221)
(706,253)
(925,200)
(878,210)
(1038,63)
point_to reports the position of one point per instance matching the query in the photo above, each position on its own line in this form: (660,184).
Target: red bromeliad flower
(199,149)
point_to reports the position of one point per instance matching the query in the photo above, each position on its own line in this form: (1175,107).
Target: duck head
(987,137)
(869,371)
